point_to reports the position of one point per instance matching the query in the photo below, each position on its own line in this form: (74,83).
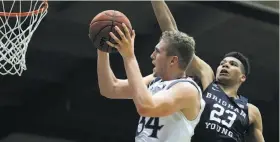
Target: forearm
(195,68)
(164,17)
(106,78)
(259,137)
(140,94)
(255,133)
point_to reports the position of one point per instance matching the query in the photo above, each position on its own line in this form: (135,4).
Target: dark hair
(243,59)
(180,45)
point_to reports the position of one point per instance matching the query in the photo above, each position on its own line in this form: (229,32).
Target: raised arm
(167,22)
(202,70)
(178,97)
(164,17)
(109,85)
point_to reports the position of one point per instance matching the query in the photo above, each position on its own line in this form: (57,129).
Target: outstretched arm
(109,85)
(164,17)
(202,70)
(256,128)
(167,22)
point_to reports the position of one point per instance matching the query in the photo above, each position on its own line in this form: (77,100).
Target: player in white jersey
(172,128)
(170,108)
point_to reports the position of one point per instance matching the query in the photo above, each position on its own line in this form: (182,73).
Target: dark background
(58,97)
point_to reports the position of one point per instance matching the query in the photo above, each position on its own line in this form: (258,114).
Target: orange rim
(22,14)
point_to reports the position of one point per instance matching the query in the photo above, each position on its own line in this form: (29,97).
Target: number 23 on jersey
(218,111)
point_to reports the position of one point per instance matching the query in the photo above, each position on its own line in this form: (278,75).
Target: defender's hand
(126,44)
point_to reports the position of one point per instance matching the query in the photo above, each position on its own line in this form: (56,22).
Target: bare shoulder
(253,109)
(148,79)
(185,89)
(254,113)
(187,95)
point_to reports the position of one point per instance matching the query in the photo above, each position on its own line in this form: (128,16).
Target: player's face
(159,59)
(229,71)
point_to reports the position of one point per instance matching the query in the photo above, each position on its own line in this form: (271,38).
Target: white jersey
(173,128)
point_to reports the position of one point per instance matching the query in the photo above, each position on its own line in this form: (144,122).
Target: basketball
(102,24)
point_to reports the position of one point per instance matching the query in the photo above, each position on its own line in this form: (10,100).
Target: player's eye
(233,64)
(156,50)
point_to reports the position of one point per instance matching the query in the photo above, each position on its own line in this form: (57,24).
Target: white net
(18,21)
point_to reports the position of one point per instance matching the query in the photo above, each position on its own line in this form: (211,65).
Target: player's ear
(243,78)
(174,59)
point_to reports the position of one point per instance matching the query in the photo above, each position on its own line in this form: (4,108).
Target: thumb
(113,45)
(133,34)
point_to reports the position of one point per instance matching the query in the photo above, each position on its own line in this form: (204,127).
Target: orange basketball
(102,24)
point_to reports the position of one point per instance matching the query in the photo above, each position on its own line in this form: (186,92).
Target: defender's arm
(164,16)
(256,128)
(167,22)
(202,70)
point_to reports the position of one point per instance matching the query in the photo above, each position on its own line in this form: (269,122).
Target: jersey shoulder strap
(209,87)
(189,80)
(154,81)
(243,99)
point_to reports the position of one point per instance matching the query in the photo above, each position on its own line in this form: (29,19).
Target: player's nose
(153,55)
(225,65)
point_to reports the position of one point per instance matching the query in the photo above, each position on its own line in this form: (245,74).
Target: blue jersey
(224,119)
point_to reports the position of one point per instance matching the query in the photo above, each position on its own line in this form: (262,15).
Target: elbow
(206,71)
(105,95)
(145,111)
(151,112)
(102,90)
(142,111)
(108,90)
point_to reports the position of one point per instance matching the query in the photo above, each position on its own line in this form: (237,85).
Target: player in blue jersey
(227,117)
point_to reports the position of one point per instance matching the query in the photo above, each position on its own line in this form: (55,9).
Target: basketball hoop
(18,21)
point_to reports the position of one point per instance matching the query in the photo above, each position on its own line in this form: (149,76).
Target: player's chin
(155,72)
(223,79)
